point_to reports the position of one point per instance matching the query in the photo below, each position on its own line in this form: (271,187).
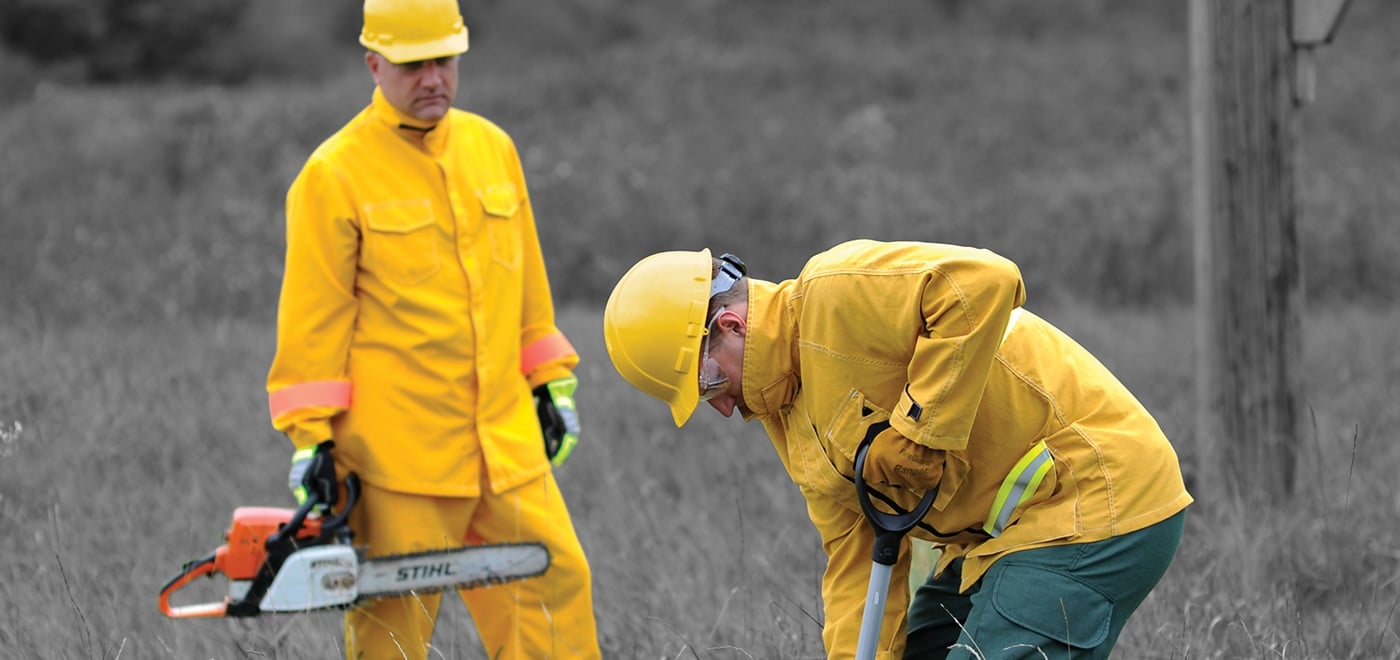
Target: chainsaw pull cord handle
(188,572)
(890,529)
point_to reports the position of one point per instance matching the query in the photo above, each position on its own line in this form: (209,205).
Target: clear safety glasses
(712,379)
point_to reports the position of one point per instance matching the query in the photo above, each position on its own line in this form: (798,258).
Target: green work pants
(1067,601)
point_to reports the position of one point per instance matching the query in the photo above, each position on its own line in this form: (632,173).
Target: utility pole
(1251,69)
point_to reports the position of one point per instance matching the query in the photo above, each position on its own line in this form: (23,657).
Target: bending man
(1059,500)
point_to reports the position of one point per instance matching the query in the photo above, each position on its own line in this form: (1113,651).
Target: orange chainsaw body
(242,558)
(246,547)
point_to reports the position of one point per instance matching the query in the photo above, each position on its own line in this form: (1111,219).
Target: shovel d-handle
(197,568)
(890,529)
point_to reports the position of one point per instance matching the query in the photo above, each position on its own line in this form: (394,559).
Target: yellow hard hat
(653,324)
(413,30)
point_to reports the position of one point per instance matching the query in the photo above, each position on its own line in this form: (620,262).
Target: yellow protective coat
(917,334)
(415,314)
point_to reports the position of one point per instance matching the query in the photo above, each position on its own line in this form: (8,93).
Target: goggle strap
(731,270)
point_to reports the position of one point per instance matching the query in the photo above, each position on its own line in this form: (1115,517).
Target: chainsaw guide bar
(472,567)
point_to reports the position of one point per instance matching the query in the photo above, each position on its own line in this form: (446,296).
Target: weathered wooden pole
(1248,274)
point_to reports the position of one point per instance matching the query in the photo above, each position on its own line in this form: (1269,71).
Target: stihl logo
(424,571)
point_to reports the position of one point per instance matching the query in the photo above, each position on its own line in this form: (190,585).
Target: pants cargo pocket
(1055,607)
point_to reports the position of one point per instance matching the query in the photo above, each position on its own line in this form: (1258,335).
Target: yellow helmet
(413,30)
(654,322)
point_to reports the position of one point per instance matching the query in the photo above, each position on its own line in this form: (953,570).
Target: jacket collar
(434,136)
(770,380)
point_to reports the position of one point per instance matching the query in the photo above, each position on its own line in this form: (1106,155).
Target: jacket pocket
(848,428)
(830,448)
(815,466)
(500,202)
(401,244)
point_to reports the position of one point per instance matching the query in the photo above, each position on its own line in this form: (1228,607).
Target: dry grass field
(124,449)
(140,254)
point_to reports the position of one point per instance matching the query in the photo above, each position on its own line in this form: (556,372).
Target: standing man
(416,346)
(1059,502)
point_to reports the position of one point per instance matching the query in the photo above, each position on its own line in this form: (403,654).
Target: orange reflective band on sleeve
(305,395)
(544,350)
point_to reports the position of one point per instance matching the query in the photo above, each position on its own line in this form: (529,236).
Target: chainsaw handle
(190,571)
(352,495)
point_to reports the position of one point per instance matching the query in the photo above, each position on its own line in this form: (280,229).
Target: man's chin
(431,112)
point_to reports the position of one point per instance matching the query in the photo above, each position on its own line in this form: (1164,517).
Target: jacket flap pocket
(850,422)
(500,200)
(399,217)
(831,459)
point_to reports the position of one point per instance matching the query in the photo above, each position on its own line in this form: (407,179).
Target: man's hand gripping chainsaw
(282,560)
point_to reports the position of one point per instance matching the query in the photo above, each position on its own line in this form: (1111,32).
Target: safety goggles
(712,379)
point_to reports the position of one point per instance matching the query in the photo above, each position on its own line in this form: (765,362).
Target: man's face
(423,90)
(728,354)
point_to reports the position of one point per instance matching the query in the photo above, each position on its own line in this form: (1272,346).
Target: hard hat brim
(401,52)
(683,405)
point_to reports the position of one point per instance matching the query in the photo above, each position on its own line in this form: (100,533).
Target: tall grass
(124,449)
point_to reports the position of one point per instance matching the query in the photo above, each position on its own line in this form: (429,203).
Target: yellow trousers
(549,616)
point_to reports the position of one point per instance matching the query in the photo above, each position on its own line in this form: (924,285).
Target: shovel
(890,529)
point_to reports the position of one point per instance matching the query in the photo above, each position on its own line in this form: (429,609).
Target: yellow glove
(896,461)
(554,403)
(313,473)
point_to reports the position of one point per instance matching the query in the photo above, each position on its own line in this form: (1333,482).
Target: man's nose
(431,73)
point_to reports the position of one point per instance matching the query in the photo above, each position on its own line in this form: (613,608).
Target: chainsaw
(294,560)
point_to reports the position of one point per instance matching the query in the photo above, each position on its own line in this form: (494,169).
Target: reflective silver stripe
(1019,485)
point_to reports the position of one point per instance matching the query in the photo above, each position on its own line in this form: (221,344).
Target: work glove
(554,402)
(313,471)
(896,461)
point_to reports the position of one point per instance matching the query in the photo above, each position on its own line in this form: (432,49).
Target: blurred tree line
(1053,133)
(116,39)
(233,41)
(225,41)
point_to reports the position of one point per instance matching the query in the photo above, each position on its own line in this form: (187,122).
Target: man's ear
(373,62)
(731,321)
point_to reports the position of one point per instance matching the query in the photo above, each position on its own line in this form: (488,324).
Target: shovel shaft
(875,596)
(889,530)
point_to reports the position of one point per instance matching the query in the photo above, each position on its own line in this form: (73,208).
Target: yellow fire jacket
(415,313)
(1042,445)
